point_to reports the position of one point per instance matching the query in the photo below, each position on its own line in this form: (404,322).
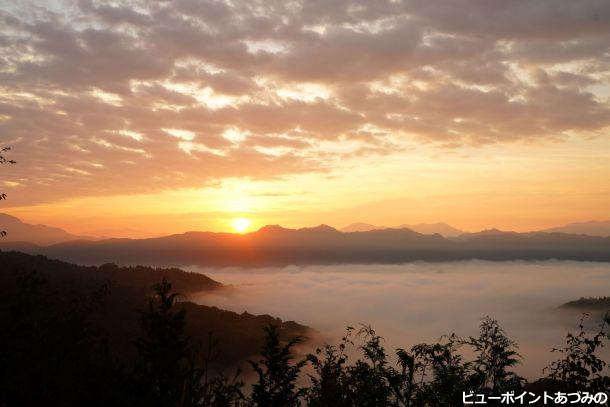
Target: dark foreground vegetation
(108,298)
(56,350)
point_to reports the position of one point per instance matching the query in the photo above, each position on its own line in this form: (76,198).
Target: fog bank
(419,302)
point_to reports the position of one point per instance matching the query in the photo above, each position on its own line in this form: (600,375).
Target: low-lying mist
(418,302)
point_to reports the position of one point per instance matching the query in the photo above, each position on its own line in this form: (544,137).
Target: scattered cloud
(92,92)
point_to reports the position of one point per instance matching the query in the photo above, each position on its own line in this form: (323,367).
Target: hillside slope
(239,336)
(19,231)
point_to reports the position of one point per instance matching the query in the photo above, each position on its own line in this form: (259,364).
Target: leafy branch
(4,160)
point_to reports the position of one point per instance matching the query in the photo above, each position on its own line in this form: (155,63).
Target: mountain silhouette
(487,233)
(431,228)
(591,228)
(19,231)
(276,246)
(423,228)
(361,227)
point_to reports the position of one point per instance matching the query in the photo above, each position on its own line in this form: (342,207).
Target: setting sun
(241,225)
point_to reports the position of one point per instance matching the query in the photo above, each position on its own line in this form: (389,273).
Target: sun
(241,225)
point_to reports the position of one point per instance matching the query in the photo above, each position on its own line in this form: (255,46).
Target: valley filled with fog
(418,302)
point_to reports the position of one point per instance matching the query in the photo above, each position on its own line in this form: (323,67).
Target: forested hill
(122,291)
(589,304)
(136,277)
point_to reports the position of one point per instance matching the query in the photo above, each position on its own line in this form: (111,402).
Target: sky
(137,118)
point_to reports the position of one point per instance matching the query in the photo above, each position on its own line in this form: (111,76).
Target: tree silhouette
(49,351)
(165,373)
(367,379)
(4,160)
(329,387)
(277,376)
(441,374)
(580,369)
(426,375)
(496,355)
(170,370)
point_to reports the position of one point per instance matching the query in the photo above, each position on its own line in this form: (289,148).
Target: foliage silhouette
(496,354)
(4,160)
(329,387)
(51,354)
(441,373)
(163,374)
(426,375)
(580,369)
(276,385)
(170,369)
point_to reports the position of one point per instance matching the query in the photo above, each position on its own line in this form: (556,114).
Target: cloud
(88,87)
(418,302)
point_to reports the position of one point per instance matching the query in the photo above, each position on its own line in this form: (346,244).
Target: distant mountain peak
(440,228)
(493,232)
(272,228)
(591,228)
(278,228)
(360,227)
(6,218)
(19,231)
(320,228)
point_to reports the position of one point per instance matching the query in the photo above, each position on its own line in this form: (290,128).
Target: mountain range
(38,234)
(424,228)
(274,246)
(47,235)
(591,228)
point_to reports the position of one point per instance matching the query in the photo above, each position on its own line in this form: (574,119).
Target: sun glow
(241,225)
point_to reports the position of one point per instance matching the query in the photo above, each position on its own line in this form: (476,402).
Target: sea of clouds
(418,302)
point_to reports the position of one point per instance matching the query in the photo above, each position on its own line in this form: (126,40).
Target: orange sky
(145,118)
(522,187)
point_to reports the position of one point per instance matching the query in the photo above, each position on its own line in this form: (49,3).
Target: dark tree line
(51,355)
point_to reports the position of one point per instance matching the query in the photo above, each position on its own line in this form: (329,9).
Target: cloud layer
(137,96)
(418,302)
